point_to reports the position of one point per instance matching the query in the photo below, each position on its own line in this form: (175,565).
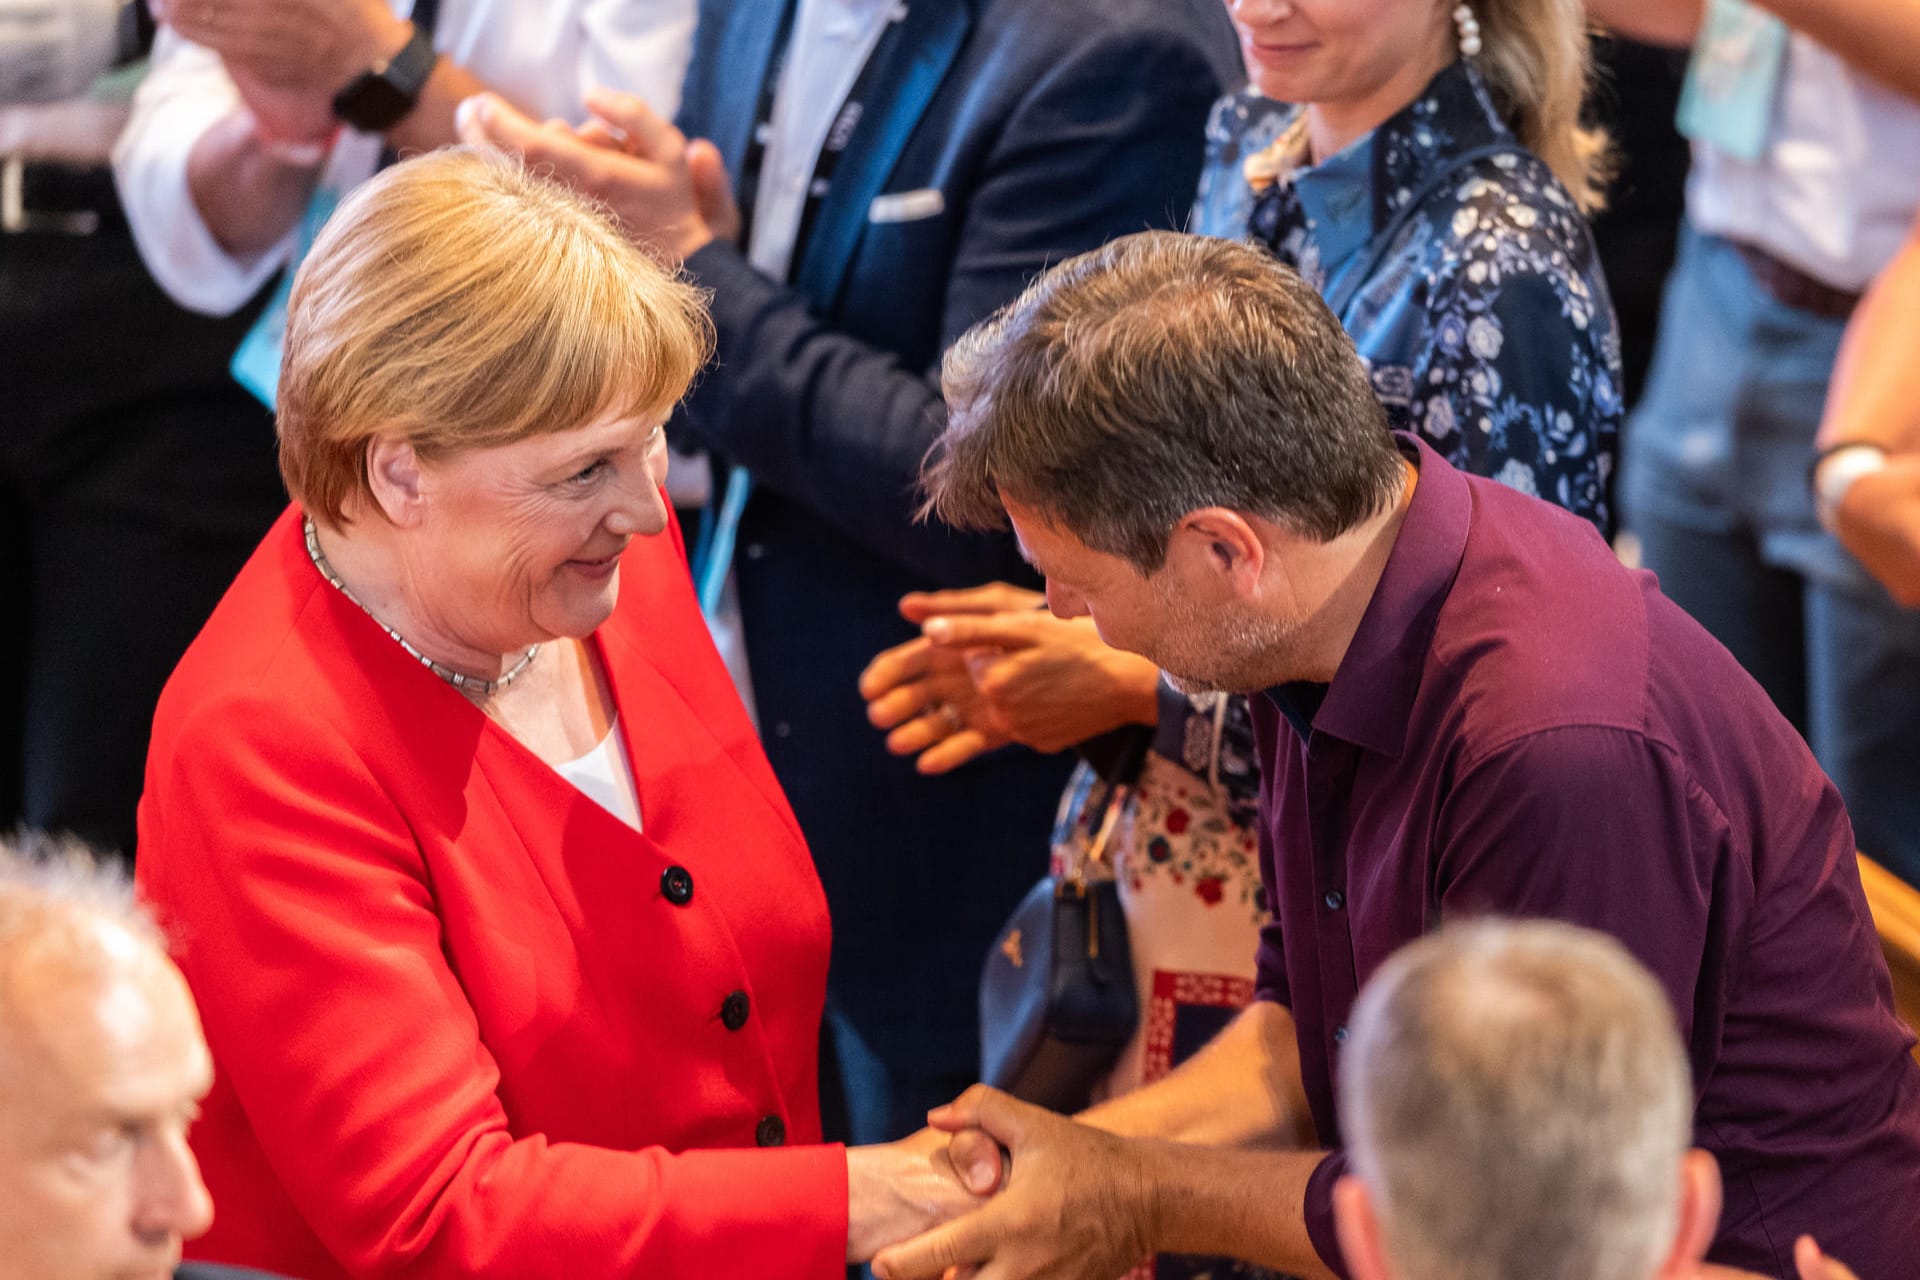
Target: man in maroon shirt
(1469,707)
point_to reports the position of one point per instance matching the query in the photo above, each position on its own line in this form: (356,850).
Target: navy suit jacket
(1046,127)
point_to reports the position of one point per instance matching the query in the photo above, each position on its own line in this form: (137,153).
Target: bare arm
(1242,1090)
(1875,392)
(1875,399)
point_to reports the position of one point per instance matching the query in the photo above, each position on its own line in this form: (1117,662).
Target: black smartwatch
(379,98)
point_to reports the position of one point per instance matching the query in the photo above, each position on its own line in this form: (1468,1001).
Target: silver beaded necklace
(459,680)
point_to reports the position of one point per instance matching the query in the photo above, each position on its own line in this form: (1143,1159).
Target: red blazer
(463,1023)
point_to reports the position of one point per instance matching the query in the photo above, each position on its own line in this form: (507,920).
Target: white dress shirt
(831,42)
(1838,183)
(542,55)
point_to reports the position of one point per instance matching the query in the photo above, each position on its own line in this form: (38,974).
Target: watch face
(371,103)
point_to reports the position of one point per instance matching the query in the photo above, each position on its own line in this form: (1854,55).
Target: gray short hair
(1516,1098)
(55,896)
(1155,376)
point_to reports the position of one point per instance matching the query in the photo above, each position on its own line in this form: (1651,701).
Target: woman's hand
(992,667)
(900,1189)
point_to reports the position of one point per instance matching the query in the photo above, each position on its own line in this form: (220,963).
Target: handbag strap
(425,14)
(1096,850)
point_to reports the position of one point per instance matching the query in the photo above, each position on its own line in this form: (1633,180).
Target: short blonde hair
(460,301)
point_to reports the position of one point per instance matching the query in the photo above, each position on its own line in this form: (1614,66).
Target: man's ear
(1699,1215)
(393,475)
(1358,1230)
(1222,543)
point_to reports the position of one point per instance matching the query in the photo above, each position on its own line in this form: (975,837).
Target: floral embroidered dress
(1470,283)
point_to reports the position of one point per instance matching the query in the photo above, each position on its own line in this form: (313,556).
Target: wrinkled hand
(1073,1207)
(667,192)
(1879,522)
(1010,672)
(899,1189)
(308,47)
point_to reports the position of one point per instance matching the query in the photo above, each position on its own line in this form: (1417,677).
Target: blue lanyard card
(256,364)
(1727,101)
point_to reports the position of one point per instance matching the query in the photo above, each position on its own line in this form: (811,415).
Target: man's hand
(668,193)
(1074,1206)
(1878,520)
(1008,670)
(310,48)
(900,1189)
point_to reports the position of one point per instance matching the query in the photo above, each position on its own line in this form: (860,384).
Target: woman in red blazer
(509,950)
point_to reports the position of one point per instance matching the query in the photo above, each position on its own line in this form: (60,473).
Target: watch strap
(377,99)
(1835,468)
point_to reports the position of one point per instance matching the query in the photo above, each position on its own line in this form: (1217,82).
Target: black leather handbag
(1057,998)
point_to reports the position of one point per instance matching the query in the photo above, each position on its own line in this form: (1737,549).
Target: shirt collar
(1371,698)
(1347,199)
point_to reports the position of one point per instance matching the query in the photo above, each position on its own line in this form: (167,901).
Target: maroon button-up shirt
(1524,727)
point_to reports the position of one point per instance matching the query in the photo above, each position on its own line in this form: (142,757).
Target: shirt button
(770,1132)
(676,883)
(756,550)
(734,1010)
(1340,1035)
(1334,900)
(782,729)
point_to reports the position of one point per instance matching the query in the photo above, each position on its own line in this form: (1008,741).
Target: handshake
(996,1180)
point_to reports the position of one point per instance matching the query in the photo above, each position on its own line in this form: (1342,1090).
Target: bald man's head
(102,1064)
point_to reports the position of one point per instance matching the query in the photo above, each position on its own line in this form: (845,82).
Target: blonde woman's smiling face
(521,542)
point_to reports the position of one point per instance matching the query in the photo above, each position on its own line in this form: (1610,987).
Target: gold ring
(948,716)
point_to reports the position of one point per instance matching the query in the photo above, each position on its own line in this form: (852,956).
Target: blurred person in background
(134,476)
(510,953)
(1803,117)
(54,49)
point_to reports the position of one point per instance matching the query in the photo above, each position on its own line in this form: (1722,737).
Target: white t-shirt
(605,776)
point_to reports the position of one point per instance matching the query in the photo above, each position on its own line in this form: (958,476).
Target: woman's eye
(588,474)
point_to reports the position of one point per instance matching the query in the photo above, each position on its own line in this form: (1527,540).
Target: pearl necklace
(459,680)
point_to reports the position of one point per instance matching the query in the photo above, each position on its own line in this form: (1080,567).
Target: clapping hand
(289,57)
(667,191)
(992,666)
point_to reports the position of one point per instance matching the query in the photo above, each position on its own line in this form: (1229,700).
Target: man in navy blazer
(988,139)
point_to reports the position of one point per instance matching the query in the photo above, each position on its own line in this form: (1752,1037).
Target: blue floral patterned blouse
(1473,290)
